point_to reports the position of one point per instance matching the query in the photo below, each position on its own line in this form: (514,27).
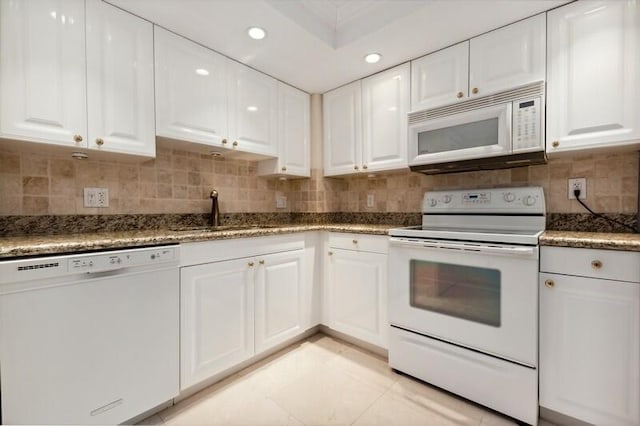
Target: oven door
(473,134)
(477,295)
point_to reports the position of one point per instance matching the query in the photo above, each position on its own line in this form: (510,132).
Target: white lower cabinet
(356,287)
(590,334)
(278,298)
(217,318)
(234,309)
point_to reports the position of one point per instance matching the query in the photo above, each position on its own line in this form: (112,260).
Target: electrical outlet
(577,183)
(281,201)
(371,199)
(96,197)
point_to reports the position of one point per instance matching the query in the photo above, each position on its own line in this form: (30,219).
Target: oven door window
(466,292)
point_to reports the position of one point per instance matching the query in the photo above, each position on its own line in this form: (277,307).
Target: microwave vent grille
(528,91)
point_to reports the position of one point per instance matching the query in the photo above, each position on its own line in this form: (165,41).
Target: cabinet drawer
(359,242)
(605,264)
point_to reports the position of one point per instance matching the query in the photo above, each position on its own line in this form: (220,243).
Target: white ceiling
(317,45)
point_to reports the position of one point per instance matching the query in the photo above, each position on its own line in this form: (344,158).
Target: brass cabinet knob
(475,91)
(555,144)
(235,143)
(261,262)
(549,283)
(596,264)
(250,264)
(330,253)
(354,241)
(99,141)
(284,168)
(459,95)
(77,138)
(365,167)
(224,141)
(355,167)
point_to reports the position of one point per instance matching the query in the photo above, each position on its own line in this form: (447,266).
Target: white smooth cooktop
(526,237)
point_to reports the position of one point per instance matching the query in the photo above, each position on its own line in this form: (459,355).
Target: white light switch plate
(281,202)
(371,199)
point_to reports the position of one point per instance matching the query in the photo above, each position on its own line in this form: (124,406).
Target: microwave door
(474,134)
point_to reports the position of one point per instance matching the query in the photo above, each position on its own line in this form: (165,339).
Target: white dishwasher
(89,338)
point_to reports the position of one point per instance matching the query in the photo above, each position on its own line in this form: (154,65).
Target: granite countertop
(12,247)
(593,240)
(19,246)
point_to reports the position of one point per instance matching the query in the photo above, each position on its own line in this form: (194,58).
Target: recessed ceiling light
(257,33)
(202,71)
(372,58)
(252,108)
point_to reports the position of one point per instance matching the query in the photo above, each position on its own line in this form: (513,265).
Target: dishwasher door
(96,350)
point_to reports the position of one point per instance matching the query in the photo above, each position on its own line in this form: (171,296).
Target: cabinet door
(590,349)
(278,300)
(42,71)
(120,81)
(508,57)
(191,90)
(253,110)
(216,328)
(385,102)
(440,78)
(593,96)
(294,131)
(357,295)
(342,130)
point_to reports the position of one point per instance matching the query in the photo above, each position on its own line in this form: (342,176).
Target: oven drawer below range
(506,387)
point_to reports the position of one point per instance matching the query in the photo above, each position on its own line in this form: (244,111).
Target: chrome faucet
(214,219)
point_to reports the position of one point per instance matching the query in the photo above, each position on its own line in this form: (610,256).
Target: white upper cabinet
(253,110)
(191,91)
(119,81)
(342,120)
(508,57)
(385,103)
(440,78)
(499,60)
(365,124)
(64,88)
(42,71)
(593,95)
(294,156)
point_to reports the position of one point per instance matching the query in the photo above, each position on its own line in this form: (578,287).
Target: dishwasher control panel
(14,271)
(121,259)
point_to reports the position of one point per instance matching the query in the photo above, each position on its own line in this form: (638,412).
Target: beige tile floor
(324,381)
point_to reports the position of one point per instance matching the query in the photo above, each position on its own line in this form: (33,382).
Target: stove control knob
(529,200)
(432,202)
(509,197)
(446,199)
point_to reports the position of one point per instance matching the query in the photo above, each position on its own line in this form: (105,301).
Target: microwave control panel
(526,124)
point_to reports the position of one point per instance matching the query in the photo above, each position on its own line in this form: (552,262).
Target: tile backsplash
(179,181)
(176,181)
(612,185)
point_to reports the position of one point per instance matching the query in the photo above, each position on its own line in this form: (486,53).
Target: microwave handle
(482,248)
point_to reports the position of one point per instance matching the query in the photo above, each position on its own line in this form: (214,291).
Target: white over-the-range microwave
(505,129)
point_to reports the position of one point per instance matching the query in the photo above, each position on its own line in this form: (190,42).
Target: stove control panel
(512,200)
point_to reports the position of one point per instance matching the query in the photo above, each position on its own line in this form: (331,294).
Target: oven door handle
(478,248)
